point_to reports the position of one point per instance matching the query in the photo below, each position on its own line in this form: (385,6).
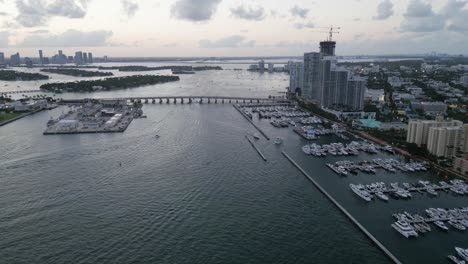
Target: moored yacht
(381,196)
(463,253)
(404,228)
(441,225)
(455,259)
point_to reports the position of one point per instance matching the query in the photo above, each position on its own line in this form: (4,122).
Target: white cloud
(304,25)
(4,42)
(384,10)
(248,13)
(70,38)
(297,11)
(130,7)
(194,10)
(32,13)
(235,41)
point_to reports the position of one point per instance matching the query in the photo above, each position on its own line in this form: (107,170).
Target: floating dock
(255,147)
(251,122)
(343,210)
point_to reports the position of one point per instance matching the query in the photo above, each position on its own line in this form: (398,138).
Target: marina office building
(327,84)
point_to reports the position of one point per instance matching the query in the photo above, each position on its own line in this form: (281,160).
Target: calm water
(198,194)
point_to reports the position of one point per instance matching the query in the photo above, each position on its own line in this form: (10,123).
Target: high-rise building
(312,82)
(28,62)
(354,96)
(41,57)
(2,58)
(271,67)
(296,79)
(445,141)
(78,57)
(261,66)
(15,59)
(85,57)
(90,57)
(418,130)
(328,48)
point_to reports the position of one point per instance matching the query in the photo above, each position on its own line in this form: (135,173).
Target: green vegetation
(396,137)
(317,110)
(172,68)
(390,65)
(77,72)
(109,83)
(5,116)
(8,75)
(429,91)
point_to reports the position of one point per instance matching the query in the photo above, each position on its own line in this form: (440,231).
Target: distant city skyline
(230,28)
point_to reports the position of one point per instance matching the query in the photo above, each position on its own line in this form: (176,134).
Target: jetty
(251,122)
(256,148)
(344,211)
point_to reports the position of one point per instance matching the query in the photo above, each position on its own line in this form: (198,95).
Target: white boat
(405,229)
(463,253)
(359,190)
(278,141)
(256,136)
(441,225)
(455,259)
(457,225)
(431,191)
(382,196)
(306,149)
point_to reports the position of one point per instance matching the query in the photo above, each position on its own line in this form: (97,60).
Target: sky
(232,28)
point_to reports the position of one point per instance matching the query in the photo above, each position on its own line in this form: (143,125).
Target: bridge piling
(160,100)
(175,100)
(190,100)
(167,100)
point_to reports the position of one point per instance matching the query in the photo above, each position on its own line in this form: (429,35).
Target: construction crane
(331,31)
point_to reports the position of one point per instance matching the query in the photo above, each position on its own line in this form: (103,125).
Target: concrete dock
(255,147)
(251,122)
(343,210)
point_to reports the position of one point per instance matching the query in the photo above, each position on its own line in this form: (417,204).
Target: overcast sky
(231,27)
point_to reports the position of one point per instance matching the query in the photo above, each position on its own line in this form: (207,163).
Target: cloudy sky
(232,27)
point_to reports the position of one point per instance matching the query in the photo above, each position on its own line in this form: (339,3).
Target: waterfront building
(15,59)
(271,67)
(90,57)
(327,84)
(2,58)
(354,96)
(28,62)
(445,141)
(461,165)
(261,65)
(78,57)
(296,79)
(85,57)
(41,58)
(418,130)
(312,82)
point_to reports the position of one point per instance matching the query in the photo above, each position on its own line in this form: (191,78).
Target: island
(9,75)
(160,68)
(77,72)
(109,84)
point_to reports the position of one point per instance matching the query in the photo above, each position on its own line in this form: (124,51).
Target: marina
(414,225)
(248,116)
(403,191)
(344,211)
(345,167)
(340,149)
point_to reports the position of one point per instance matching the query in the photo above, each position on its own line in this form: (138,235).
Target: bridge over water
(187,99)
(22,92)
